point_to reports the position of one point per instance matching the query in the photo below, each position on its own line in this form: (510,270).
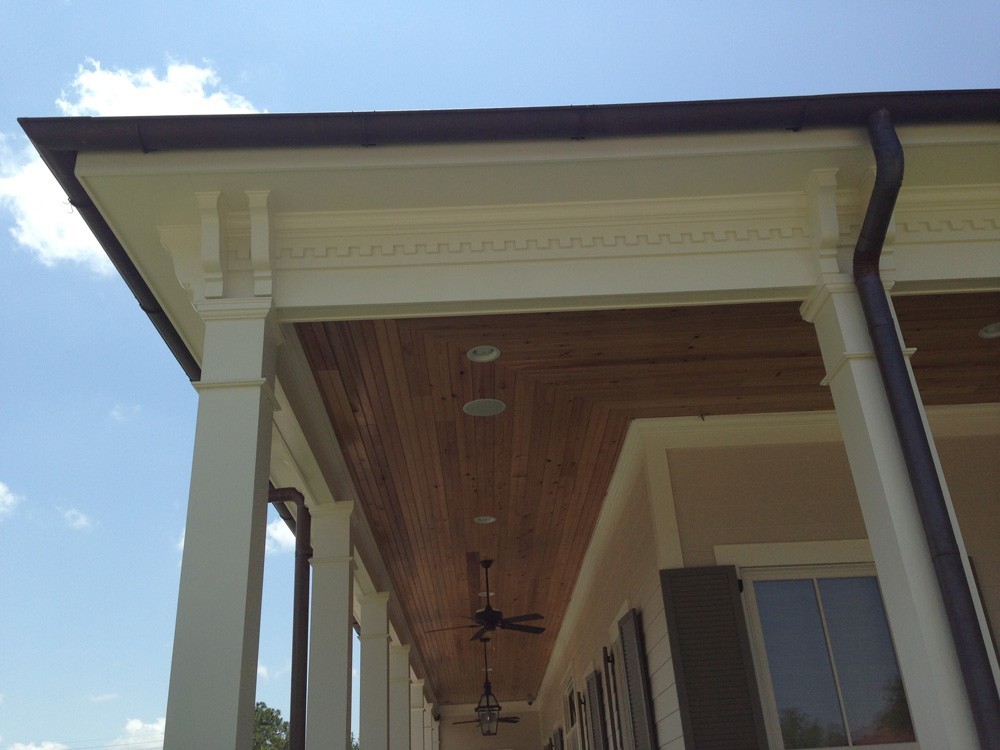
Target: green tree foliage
(799,730)
(270,731)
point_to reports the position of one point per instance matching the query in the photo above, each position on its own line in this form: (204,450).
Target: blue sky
(97,420)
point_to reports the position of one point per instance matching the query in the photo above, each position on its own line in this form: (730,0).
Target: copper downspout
(970,644)
(300,612)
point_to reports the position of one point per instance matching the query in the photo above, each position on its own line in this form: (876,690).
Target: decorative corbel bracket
(212,244)
(261,246)
(824,223)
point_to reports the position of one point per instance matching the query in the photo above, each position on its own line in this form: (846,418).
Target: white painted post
(428,728)
(935,689)
(328,713)
(417,715)
(374,637)
(399,697)
(213,674)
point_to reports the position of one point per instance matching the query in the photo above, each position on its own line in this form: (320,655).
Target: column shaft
(328,716)
(374,639)
(213,671)
(416,715)
(928,661)
(399,697)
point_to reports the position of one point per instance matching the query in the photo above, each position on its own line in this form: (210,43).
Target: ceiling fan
(488,619)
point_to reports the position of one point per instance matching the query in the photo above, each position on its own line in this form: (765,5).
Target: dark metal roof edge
(60,139)
(159,133)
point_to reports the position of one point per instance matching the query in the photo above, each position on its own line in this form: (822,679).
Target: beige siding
(521,736)
(972,469)
(757,494)
(628,575)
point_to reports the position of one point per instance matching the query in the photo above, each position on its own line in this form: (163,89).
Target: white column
(939,708)
(399,697)
(428,728)
(416,715)
(374,637)
(213,672)
(435,734)
(328,713)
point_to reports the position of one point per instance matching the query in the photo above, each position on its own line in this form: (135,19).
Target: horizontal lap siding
(627,574)
(662,685)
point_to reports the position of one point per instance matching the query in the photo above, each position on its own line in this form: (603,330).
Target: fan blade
(505,625)
(479,634)
(509,719)
(525,618)
(453,627)
(471,721)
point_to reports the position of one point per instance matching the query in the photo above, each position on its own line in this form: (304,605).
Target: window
(825,660)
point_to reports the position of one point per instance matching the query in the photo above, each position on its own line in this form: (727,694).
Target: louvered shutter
(713,666)
(557,739)
(595,712)
(614,726)
(640,706)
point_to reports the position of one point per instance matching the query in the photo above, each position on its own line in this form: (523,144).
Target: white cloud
(184,89)
(76,519)
(7,500)
(122,413)
(279,538)
(262,671)
(141,735)
(180,542)
(136,734)
(103,697)
(44,222)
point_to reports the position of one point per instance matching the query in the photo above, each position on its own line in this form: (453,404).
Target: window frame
(758,649)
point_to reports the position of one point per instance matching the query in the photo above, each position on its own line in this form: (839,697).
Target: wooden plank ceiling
(424,469)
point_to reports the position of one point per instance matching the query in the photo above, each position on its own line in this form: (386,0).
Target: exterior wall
(973,474)
(521,736)
(627,576)
(762,493)
(790,493)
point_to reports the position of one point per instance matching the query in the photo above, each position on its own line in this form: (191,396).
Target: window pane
(866,663)
(804,689)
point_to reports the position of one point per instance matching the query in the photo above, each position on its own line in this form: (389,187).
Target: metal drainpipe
(948,565)
(300,613)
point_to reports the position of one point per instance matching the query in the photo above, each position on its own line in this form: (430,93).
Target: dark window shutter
(716,687)
(610,689)
(557,739)
(595,711)
(640,705)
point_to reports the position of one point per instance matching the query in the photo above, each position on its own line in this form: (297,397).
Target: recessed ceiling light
(484,407)
(992,331)
(483,520)
(483,353)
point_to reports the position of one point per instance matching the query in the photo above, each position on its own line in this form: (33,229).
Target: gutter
(949,568)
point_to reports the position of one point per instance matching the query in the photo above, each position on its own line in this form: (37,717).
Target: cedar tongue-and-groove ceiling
(572,382)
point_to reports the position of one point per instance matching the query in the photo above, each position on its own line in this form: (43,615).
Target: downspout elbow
(888,181)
